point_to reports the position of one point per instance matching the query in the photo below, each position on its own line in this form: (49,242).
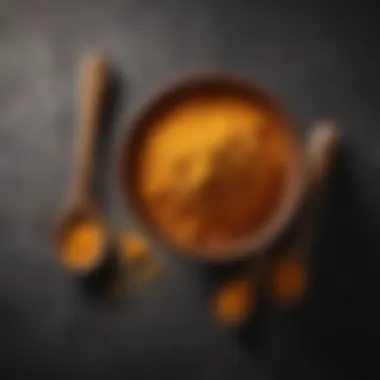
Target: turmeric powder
(82,244)
(288,280)
(212,169)
(137,256)
(234,300)
(135,249)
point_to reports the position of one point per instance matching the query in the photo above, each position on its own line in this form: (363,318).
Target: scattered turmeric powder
(212,169)
(82,244)
(136,254)
(135,249)
(234,300)
(288,280)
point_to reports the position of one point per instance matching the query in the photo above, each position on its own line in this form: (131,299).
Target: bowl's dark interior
(161,104)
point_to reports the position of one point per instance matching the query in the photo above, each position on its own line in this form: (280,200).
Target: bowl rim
(256,242)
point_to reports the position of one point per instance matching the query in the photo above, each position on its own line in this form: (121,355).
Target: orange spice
(234,300)
(288,280)
(137,256)
(135,249)
(212,169)
(82,244)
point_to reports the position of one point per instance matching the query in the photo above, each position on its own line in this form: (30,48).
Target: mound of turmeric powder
(142,266)
(234,300)
(82,244)
(288,280)
(135,248)
(212,169)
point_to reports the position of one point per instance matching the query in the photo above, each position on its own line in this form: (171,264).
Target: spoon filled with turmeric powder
(82,235)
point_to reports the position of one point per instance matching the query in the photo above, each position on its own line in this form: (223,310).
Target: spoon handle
(92,84)
(321,147)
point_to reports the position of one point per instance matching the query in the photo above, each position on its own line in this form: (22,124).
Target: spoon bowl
(72,222)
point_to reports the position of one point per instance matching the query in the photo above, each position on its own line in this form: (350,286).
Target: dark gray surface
(321,58)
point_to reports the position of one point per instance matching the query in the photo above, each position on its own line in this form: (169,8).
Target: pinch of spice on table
(136,254)
(234,300)
(212,169)
(135,249)
(288,280)
(82,244)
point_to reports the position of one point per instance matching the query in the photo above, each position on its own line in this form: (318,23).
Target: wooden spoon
(81,215)
(234,303)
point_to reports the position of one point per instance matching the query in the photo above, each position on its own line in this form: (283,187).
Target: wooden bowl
(260,239)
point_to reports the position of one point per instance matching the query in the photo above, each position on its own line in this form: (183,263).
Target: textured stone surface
(320,58)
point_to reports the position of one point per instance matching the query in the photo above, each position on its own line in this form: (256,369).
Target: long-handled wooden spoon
(82,236)
(235,299)
(288,279)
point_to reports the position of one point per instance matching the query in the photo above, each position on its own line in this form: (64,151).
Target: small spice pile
(288,280)
(135,249)
(234,300)
(82,244)
(137,256)
(212,169)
